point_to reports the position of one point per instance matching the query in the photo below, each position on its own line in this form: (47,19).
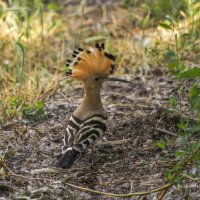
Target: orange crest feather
(86,63)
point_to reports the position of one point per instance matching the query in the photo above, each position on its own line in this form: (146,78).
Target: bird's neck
(91,103)
(92,97)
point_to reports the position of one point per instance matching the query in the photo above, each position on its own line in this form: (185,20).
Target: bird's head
(92,66)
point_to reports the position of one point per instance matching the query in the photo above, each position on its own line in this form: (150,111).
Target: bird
(87,124)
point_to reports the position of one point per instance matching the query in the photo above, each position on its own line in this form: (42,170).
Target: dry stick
(122,195)
(21,176)
(165,131)
(93,191)
(191,178)
(162,194)
(163,188)
(90,190)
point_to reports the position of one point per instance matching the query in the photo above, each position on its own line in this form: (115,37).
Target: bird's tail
(68,158)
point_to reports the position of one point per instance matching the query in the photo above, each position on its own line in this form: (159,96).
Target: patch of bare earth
(125,160)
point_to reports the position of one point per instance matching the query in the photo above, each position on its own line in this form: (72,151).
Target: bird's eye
(96,79)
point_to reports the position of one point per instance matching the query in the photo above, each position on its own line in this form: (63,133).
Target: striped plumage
(88,122)
(79,135)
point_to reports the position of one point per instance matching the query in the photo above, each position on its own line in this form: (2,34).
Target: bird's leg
(93,156)
(81,155)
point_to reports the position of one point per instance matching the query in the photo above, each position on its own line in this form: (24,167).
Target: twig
(48,170)
(165,131)
(114,142)
(191,178)
(162,194)
(122,195)
(21,176)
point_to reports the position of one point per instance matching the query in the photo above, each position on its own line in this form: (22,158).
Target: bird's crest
(86,63)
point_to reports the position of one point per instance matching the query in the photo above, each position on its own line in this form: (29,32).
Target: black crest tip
(69,73)
(102,45)
(88,52)
(110,56)
(69,61)
(113,67)
(98,46)
(80,49)
(75,52)
(112,71)
(113,58)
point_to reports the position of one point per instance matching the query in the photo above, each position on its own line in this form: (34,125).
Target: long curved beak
(118,79)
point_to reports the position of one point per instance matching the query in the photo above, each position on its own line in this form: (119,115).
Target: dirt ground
(125,160)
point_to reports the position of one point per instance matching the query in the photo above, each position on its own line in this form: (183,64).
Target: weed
(23,57)
(34,111)
(188,144)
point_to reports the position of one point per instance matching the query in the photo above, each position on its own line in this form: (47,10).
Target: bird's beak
(118,79)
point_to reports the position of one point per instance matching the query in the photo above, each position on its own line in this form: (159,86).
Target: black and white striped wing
(90,130)
(79,135)
(71,131)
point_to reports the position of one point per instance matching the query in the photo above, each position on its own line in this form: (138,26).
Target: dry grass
(31,59)
(34,46)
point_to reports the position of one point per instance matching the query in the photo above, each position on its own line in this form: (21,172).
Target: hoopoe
(88,122)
